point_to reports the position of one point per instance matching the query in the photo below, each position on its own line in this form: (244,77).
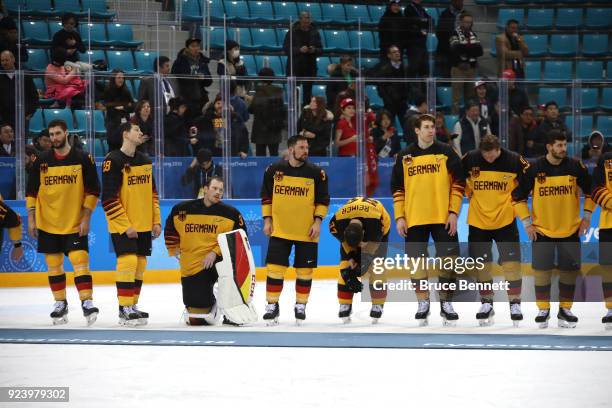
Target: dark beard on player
(59,145)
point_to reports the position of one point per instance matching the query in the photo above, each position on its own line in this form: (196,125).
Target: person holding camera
(595,147)
(201,169)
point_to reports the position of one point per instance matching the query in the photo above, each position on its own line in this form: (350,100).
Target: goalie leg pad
(195,316)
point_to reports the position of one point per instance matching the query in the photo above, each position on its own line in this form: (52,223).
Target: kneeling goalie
(210,238)
(360,226)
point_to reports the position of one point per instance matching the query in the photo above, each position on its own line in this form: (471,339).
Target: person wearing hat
(346,129)
(595,147)
(517,98)
(190,61)
(233,66)
(201,169)
(391,27)
(8,40)
(69,38)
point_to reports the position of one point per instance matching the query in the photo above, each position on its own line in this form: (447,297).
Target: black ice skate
(449,317)
(607,320)
(376,312)
(542,318)
(143,317)
(515,313)
(228,322)
(300,313)
(485,315)
(128,317)
(60,312)
(271,315)
(566,318)
(89,311)
(345,313)
(422,314)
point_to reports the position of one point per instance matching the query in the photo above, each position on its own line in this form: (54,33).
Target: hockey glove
(352,283)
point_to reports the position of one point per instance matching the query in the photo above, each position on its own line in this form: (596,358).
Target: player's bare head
(490,148)
(213,190)
(425,127)
(298,148)
(6,133)
(58,133)
(556,144)
(353,233)
(131,133)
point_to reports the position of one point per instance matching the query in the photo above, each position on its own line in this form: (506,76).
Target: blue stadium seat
(133,86)
(99,127)
(37,59)
(272,61)
(322,63)
(40,8)
(191,10)
(365,37)
(558,70)
(537,43)
(493,51)
(544,1)
(449,121)
(533,70)
(285,11)
(568,18)
(558,95)
(516,1)
(444,97)
(606,99)
(319,90)
(357,13)
(264,39)
(585,122)
(80,117)
(594,45)
(333,13)
(37,123)
(262,11)
(145,61)
(508,14)
(249,63)
(376,12)
(368,63)
(62,114)
(217,37)
(488,2)
(540,18)
(281,33)
(434,14)
(100,148)
(589,70)
(313,8)
(15,5)
(98,8)
(588,97)
(120,60)
(432,42)
(598,18)
(241,35)
(237,10)
(376,101)
(68,6)
(92,56)
(121,35)
(36,32)
(604,125)
(563,45)
(337,41)
(97,33)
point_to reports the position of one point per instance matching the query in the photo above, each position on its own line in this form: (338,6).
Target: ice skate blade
(449,323)
(346,320)
(128,323)
(299,322)
(91,319)
(566,325)
(60,320)
(516,323)
(543,325)
(143,321)
(608,326)
(375,320)
(486,322)
(272,322)
(423,322)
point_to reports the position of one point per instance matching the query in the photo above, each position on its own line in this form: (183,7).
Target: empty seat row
(82,8)
(566,18)
(564,45)
(136,62)
(76,123)
(38,32)
(564,70)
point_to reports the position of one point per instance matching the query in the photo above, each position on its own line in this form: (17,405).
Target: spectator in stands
(470,129)
(342,77)
(9,37)
(7,96)
(176,136)
(442,133)
(268,109)
(119,105)
(418,24)
(238,104)
(42,142)
(486,102)
(62,82)
(346,129)
(201,169)
(69,38)
(537,139)
(302,45)
(315,124)
(191,61)
(391,27)
(447,24)
(511,50)
(595,147)
(144,119)
(465,48)
(412,114)
(233,67)
(31,154)
(386,138)
(517,98)
(393,94)
(7,140)
(146,91)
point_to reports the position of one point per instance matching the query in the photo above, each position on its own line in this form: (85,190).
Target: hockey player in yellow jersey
(294,199)
(602,195)
(362,227)
(428,185)
(191,233)
(62,192)
(10,220)
(554,225)
(131,204)
(492,174)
